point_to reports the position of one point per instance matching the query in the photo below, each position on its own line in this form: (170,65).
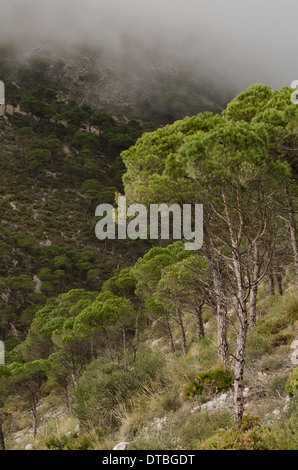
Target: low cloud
(230,42)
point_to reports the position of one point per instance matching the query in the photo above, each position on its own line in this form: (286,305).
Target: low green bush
(170,399)
(272,326)
(278,384)
(292,384)
(53,443)
(198,429)
(81,443)
(278,437)
(209,382)
(256,345)
(281,338)
(249,422)
(106,386)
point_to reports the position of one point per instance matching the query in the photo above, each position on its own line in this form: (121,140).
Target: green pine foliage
(124,336)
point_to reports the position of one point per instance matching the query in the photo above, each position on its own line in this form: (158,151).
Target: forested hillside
(59,159)
(160,347)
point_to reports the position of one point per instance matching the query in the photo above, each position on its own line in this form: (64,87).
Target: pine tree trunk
(292,223)
(241,342)
(239,370)
(73,372)
(92,351)
(254,287)
(221,310)
(2,442)
(271,282)
(241,309)
(34,413)
(279,284)
(222,340)
(253,306)
(170,335)
(182,331)
(116,349)
(124,338)
(137,334)
(108,345)
(221,313)
(67,398)
(199,321)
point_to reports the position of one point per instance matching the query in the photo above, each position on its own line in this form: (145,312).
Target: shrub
(71,442)
(209,382)
(282,313)
(53,443)
(292,408)
(278,384)
(256,345)
(273,362)
(11,343)
(207,317)
(249,422)
(271,326)
(281,338)
(106,386)
(198,429)
(170,399)
(258,438)
(81,443)
(292,384)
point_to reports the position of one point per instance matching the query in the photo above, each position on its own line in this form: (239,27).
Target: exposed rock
(186,405)
(121,446)
(159,422)
(29,447)
(294,357)
(286,407)
(262,377)
(155,342)
(37,284)
(196,408)
(223,402)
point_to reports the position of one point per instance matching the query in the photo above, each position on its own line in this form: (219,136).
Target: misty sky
(246,42)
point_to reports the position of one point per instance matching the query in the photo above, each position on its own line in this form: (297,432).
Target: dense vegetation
(81,318)
(67,155)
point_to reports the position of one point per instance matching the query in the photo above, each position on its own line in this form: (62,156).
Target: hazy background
(231,40)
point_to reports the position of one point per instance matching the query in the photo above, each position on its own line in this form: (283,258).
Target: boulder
(121,446)
(294,355)
(219,403)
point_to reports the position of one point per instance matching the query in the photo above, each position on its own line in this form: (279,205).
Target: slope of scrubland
(162,410)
